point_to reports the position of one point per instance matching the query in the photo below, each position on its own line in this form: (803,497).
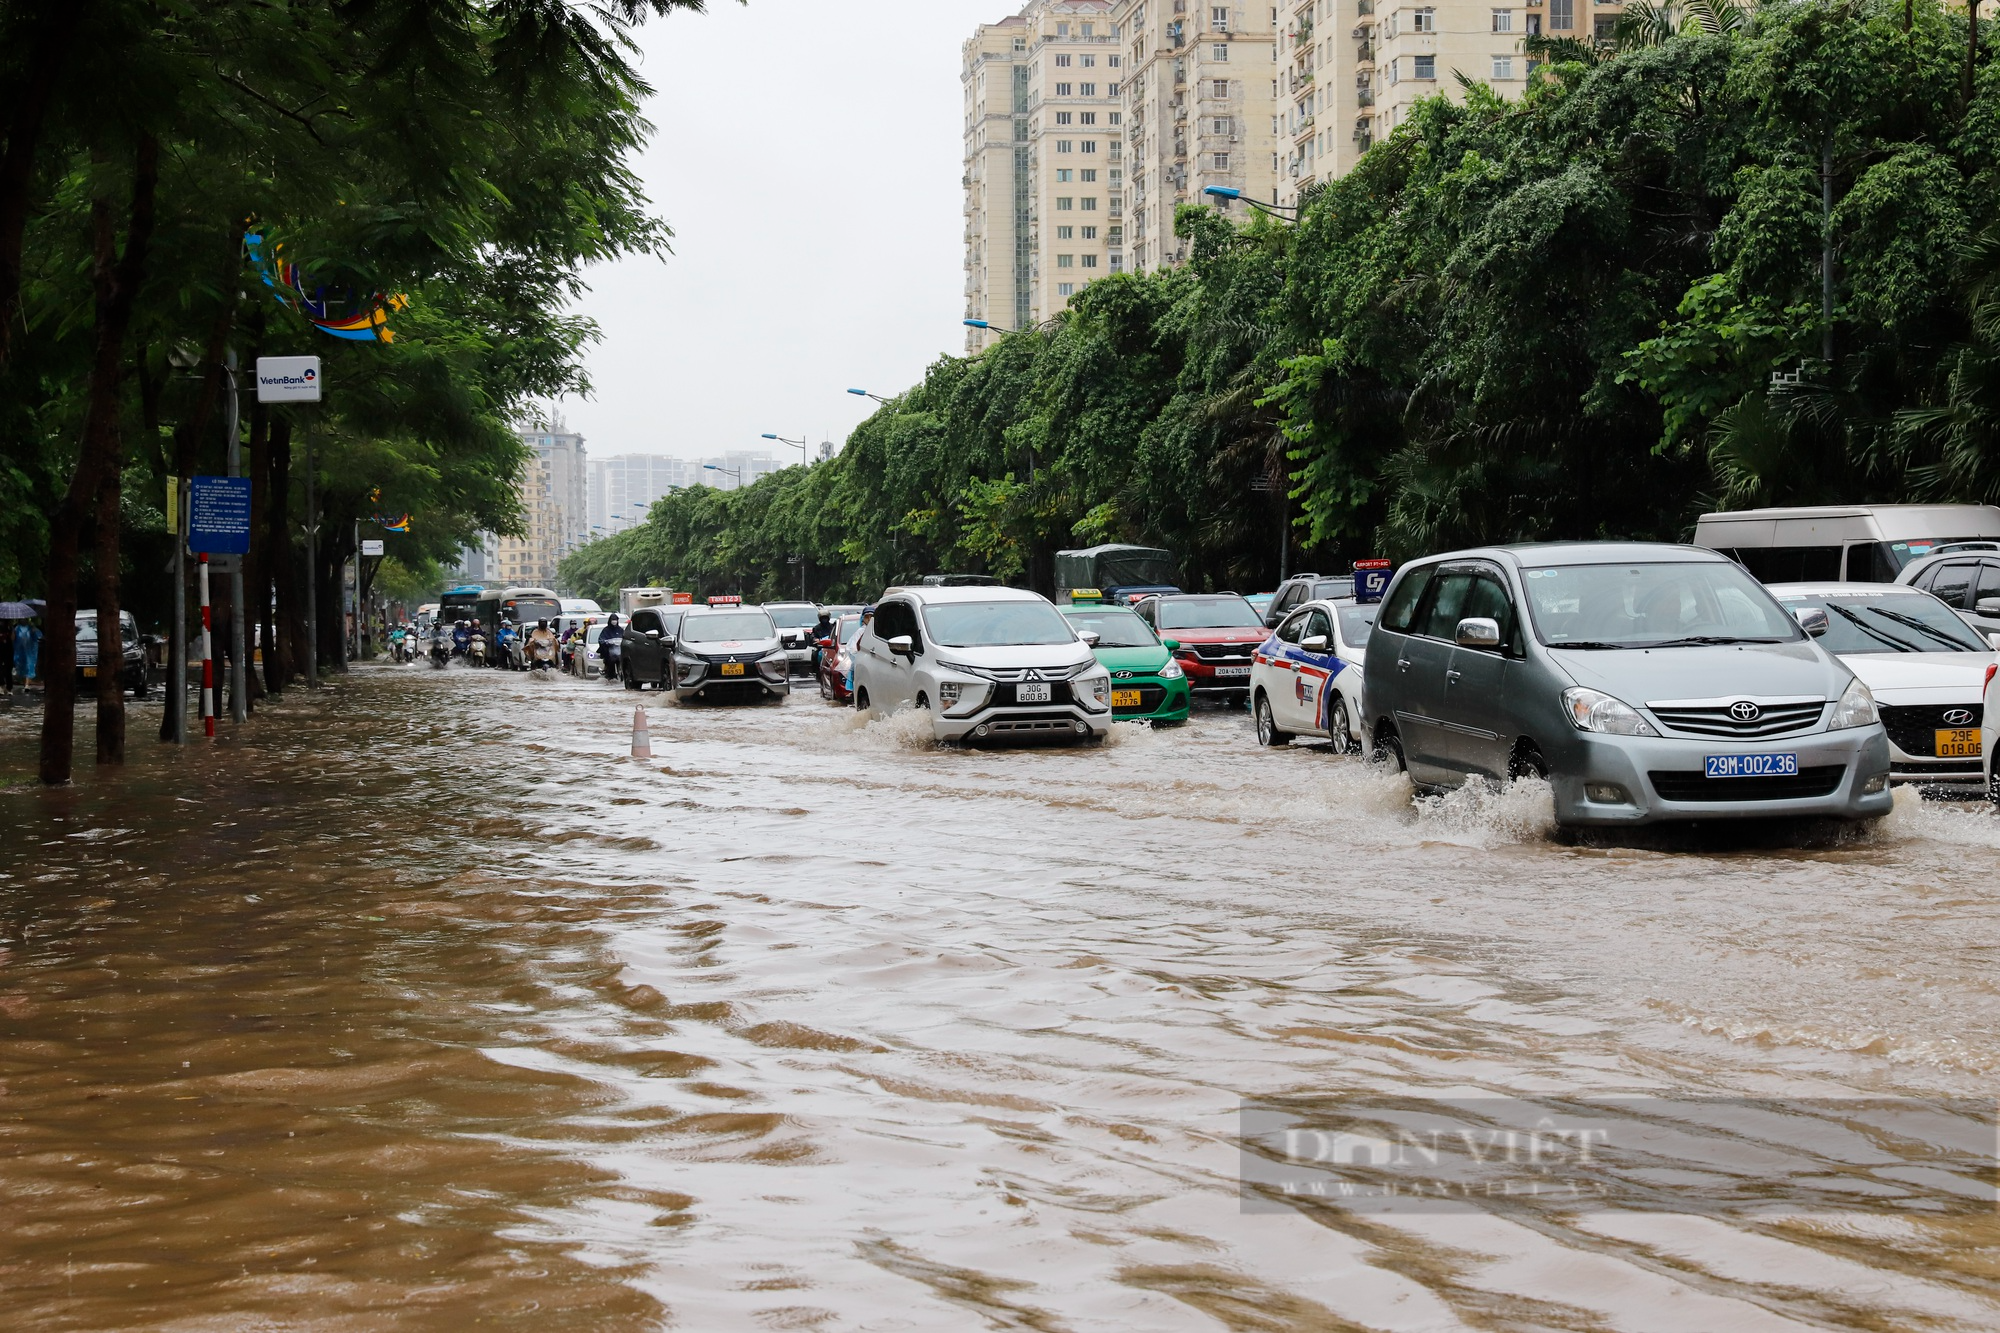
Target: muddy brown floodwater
(418,1006)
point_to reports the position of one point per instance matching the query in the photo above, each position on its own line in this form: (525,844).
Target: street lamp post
(863,393)
(1226,193)
(992,328)
(799,445)
(737,473)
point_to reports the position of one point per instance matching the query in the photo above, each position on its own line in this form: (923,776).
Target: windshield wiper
(1900,645)
(1590,645)
(1709,641)
(1921,627)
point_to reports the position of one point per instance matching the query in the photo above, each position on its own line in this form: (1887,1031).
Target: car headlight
(1855,709)
(1097,691)
(948,692)
(1594,710)
(1172,670)
(777,656)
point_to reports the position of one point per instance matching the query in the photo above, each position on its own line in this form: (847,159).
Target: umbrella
(18,611)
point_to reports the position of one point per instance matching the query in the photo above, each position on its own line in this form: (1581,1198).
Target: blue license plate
(1752,765)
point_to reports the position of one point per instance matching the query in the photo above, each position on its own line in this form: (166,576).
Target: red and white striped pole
(207,660)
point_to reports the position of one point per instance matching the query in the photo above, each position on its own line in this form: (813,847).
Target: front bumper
(1027,722)
(705,680)
(1834,768)
(1205,676)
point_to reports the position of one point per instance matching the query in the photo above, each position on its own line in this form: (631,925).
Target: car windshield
(727,625)
(996,625)
(1653,606)
(1114,628)
(1889,623)
(1230,612)
(1356,624)
(1327,588)
(793,617)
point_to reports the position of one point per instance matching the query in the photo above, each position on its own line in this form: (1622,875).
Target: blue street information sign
(219,515)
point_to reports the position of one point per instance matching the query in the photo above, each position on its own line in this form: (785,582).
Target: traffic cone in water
(642,737)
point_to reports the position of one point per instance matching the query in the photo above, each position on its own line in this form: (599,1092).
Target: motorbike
(475,650)
(440,653)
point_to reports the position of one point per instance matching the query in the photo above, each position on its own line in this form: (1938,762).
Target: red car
(833,660)
(1214,636)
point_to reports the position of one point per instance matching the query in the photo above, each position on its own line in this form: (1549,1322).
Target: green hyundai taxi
(1147,685)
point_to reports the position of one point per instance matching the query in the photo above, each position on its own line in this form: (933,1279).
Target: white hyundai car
(1925,666)
(984,664)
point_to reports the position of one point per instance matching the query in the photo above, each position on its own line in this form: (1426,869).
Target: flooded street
(421,1006)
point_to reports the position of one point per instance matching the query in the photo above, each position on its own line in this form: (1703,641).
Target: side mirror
(1478,632)
(1994,639)
(1091,637)
(1317,643)
(1988,606)
(1171,645)
(1813,620)
(903,646)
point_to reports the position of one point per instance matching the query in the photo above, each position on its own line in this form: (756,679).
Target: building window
(1064,203)
(1065,145)
(1115,117)
(1424,20)
(1089,146)
(1534,25)
(1090,233)
(1222,161)
(1090,62)
(1020,45)
(1062,29)
(1562,15)
(1065,261)
(1065,289)
(1426,67)
(1503,67)
(1062,117)
(1086,89)
(1503,20)
(1222,87)
(1090,261)
(1606,28)
(1089,118)
(1221,124)
(1089,29)
(1063,175)
(1219,51)
(1062,89)
(1090,203)
(1066,233)
(1115,62)
(1089,174)
(1111,90)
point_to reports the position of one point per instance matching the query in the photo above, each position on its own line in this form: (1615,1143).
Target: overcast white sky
(807,154)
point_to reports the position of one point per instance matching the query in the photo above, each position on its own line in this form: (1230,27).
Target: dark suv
(1299,589)
(132,669)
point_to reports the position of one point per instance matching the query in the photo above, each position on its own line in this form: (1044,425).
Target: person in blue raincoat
(27,651)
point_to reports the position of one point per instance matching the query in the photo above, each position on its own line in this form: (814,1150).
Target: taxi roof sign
(1086,594)
(726,599)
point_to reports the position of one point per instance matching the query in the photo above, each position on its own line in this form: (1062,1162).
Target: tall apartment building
(528,560)
(624,486)
(1352,69)
(1201,100)
(1044,161)
(567,477)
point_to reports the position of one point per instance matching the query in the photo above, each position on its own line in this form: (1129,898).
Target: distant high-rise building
(624,486)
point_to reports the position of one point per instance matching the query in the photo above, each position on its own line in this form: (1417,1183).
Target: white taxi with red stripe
(1305,680)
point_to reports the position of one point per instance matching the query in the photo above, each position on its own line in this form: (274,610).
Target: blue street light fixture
(799,444)
(863,393)
(982,324)
(1226,193)
(734,472)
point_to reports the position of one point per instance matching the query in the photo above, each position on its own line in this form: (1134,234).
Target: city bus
(524,606)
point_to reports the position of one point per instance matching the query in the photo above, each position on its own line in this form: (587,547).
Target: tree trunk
(1971,50)
(256,576)
(116,280)
(110,634)
(53,43)
(288,642)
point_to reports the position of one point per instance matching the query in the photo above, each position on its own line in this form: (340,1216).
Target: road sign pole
(239,701)
(177,641)
(312,570)
(207,659)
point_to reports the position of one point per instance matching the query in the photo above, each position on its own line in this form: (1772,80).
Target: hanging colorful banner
(289,287)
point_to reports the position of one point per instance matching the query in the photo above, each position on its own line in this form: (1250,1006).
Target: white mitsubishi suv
(984,663)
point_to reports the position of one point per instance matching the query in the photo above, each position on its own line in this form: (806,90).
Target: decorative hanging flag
(289,287)
(399,525)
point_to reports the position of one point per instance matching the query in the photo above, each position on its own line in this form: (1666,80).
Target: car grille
(1224,652)
(1032,725)
(1009,675)
(1774,719)
(1823,780)
(1150,698)
(1914,729)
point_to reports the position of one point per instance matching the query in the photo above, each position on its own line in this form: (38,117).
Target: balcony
(1364,97)
(1364,53)
(1365,7)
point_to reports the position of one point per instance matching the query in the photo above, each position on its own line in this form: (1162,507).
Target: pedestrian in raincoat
(611,646)
(27,651)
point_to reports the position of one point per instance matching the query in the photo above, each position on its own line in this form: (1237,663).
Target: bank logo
(1745,711)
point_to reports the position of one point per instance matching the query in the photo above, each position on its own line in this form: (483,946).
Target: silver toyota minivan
(1648,683)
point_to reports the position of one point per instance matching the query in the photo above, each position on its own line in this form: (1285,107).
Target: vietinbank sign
(288,379)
